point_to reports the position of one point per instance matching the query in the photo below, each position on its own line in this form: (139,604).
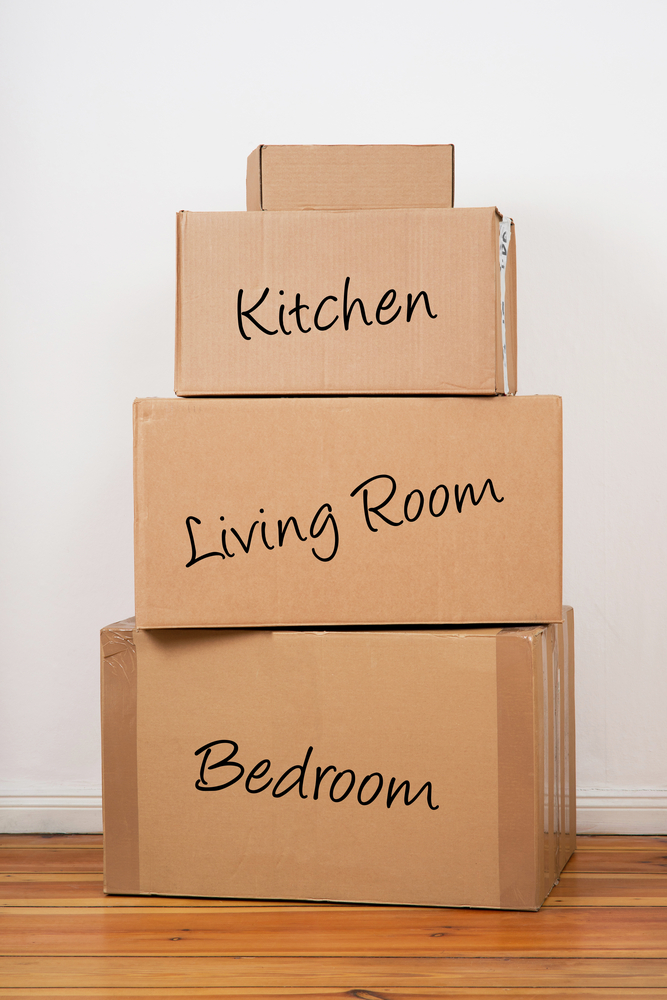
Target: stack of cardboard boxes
(328,530)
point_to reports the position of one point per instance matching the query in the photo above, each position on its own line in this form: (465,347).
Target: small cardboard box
(409,767)
(330,178)
(375,302)
(347,511)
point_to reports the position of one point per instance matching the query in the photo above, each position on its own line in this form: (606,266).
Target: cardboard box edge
(120,798)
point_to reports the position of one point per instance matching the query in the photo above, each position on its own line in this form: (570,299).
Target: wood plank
(581,889)
(147,902)
(73,895)
(18,859)
(26,878)
(623,843)
(343,930)
(50,840)
(324,993)
(82,889)
(618,861)
(370,975)
(248,906)
(606,875)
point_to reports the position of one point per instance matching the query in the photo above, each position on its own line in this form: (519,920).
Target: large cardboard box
(414,767)
(294,178)
(379,302)
(344,511)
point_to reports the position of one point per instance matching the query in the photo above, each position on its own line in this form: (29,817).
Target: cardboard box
(376,302)
(409,767)
(344,511)
(330,178)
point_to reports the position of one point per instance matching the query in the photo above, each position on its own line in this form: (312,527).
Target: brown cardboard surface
(518,656)
(293,178)
(367,302)
(326,466)
(551,750)
(452,707)
(119,757)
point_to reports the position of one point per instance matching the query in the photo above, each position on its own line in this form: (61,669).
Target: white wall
(117,114)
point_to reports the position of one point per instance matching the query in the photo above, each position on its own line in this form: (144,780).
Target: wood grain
(602,934)
(26,878)
(622,843)
(381,931)
(618,861)
(75,859)
(609,890)
(370,974)
(73,891)
(384,993)
(66,841)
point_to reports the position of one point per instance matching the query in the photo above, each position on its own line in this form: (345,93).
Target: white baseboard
(622,811)
(615,811)
(50,813)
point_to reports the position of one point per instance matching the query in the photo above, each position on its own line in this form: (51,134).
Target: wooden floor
(602,933)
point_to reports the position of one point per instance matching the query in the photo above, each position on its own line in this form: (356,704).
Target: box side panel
(551,753)
(181,222)
(518,657)
(540,712)
(337,721)
(253,181)
(119,758)
(344,178)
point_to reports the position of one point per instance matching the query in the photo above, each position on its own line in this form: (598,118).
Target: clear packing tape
(503,251)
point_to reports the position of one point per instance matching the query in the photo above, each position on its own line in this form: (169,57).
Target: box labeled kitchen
(431,767)
(346,511)
(385,302)
(335,178)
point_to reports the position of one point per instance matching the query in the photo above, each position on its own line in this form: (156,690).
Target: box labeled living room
(371,511)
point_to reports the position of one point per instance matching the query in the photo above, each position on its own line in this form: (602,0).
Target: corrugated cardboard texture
(220,484)
(520,733)
(293,178)
(461,709)
(119,758)
(536,680)
(550,760)
(411,707)
(376,302)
